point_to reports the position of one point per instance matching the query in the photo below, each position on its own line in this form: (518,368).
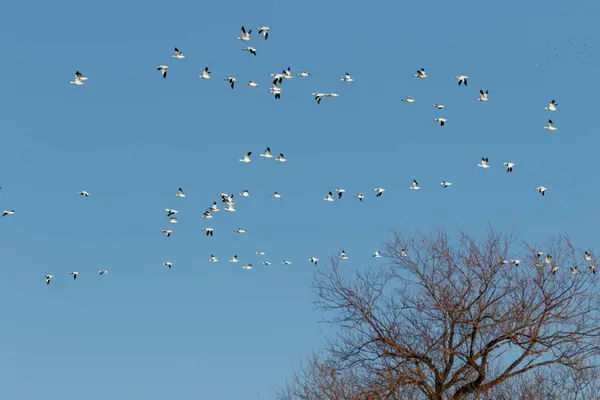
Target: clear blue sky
(130,138)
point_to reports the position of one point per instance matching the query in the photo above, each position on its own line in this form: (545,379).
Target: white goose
(234,259)
(241,231)
(246,158)
(276,90)
(286,262)
(247,266)
(446,184)
(441,121)
(163,70)
(542,190)
(483,96)
(379,191)
(314,260)
(281,158)
(343,256)
(213,258)
(250,50)
(251,84)
(439,106)
(360,196)
(259,253)
(245,193)
(329,197)
(303,74)
(170,212)
(167,232)
(102,272)
(48,278)
(408,100)
(552,106)
(276,195)
(231,81)
(340,193)
(230,207)
(79,79)
(377,254)
(205,73)
(245,36)
(74,274)
(415,185)
(587,256)
(178,54)
(264,30)
(172,220)
(462,79)
(8,212)
(83,193)
(550,126)
(508,166)
(168,264)
(209,231)
(421,74)
(267,153)
(180,193)
(484,163)
(347,78)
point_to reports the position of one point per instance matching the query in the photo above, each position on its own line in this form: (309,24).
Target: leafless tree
(457,319)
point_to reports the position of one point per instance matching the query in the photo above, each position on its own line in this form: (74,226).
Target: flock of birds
(228,199)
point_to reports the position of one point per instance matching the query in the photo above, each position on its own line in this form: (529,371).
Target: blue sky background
(130,138)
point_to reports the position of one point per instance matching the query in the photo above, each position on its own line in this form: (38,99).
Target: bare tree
(460,319)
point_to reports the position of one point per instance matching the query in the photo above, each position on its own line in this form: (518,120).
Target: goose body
(205,73)
(163,70)
(245,36)
(178,54)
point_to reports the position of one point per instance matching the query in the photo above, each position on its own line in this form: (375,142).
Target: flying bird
(79,79)
(276,90)
(178,54)
(167,232)
(168,264)
(329,197)
(74,274)
(267,153)
(231,81)
(170,212)
(483,96)
(343,256)
(462,79)
(264,30)
(250,50)
(552,106)
(509,166)
(246,158)
(213,258)
(587,256)
(320,96)
(347,78)
(446,184)
(360,196)
(377,254)
(245,36)
(415,185)
(314,260)
(281,158)
(180,193)
(379,191)
(8,212)
(484,163)
(303,74)
(251,84)
(340,193)
(276,195)
(541,189)
(172,220)
(550,126)
(240,230)
(83,193)
(234,259)
(245,193)
(441,121)
(163,70)
(408,100)
(259,253)
(102,272)
(209,231)
(48,278)
(439,106)
(421,73)
(286,262)
(205,73)
(247,266)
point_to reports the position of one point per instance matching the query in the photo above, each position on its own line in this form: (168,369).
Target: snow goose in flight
(462,79)
(234,259)
(403,253)
(441,121)
(483,96)
(251,84)
(102,272)
(267,263)
(178,54)
(484,163)
(209,231)
(167,232)
(168,264)
(83,193)
(446,184)
(515,262)
(509,166)
(281,158)
(245,193)
(240,230)
(286,262)
(163,70)
(264,30)
(329,197)
(214,207)
(573,270)
(48,278)
(180,193)
(259,253)
(592,269)
(205,73)
(314,260)
(287,73)
(247,266)
(379,191)
(303,74)
(213,258)
(415,185)
(230,207)
(267,153)
(79,79)
(548,259)
(206,215)
(170,212)
(276,90)
(377,254)
(245,36)
(550,126)
(246,158)
(554,269)
(231,81)
(343,256)
(319,96)
(347,78)
(587,256)
(541,189)
(8,212)
(276,195)
(552,106)
(439,106)
(360,196)
(421,73)
(408,100)
(74,274)
(172,220)
(250,50)
(340,193)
